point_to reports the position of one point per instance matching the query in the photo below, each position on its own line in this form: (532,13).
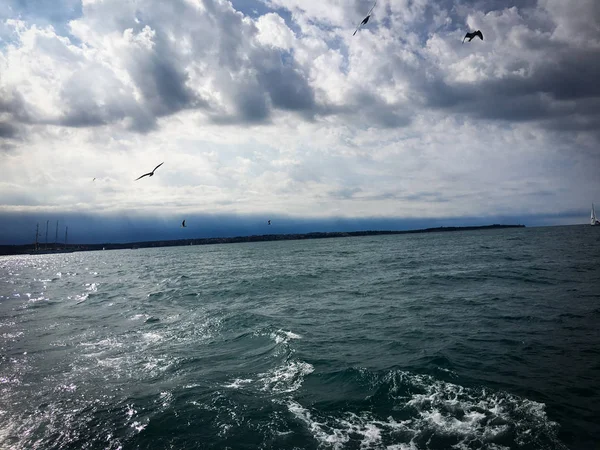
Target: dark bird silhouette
(183,224)
(94,179)
(268,222)
(366,19)
(472,35)
(149,174)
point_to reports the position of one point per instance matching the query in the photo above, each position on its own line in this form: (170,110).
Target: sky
(272,109)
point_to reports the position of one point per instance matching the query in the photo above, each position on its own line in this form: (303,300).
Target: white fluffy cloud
(287,112)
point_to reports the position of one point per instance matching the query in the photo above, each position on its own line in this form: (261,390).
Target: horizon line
(55,246)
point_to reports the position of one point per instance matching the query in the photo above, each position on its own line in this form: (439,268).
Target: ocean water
(463,340)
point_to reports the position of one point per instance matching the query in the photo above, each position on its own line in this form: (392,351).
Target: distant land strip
(60,248)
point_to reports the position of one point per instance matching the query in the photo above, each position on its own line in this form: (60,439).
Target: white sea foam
(66,387)
(321,431)
(282,336)
(471,414)
(138,316)
(286,378)
(130,411)
(283,379)
(103,344)
(11,336)
(39,298)
(155,365)
(444,409)
(138,426)
(152,337)
(337,432)
(410,446)
(80,298)
(238,383)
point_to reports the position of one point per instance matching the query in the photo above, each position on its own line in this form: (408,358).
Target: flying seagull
(183,224)
(472,35)
(366,19)
(268,222)
(149,174)
(94,179)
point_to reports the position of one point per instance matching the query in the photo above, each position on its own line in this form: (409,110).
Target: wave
(426,413)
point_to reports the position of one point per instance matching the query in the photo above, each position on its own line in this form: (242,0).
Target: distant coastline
(60,248)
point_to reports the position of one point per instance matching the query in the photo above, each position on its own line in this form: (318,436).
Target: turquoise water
(480,339)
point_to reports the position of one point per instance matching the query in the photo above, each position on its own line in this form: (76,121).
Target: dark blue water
(466,340)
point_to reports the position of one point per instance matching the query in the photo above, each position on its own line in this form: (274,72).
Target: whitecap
(282,336)
(238,383)
(467,415)
(286,378)
(80,298)
(67,387)
(152,337)
(138,426)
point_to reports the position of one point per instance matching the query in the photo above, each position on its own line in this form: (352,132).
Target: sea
(482,339)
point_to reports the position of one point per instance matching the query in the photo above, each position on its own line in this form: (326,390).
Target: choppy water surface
(483,339)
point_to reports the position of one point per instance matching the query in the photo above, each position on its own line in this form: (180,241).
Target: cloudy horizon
(271,108)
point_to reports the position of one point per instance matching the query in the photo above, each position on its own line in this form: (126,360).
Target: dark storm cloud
(254,80)
(571,74)
(251,106)
(7,147)
(228,27)
(82,119)
(360,195)
(365,107)
(13,105)
(288,89)
(83,110)
(266,79)
(161,77)
(563,90)
(158,75)
(95,229)
(495,5)
(546,78)
(12,112)
(274,85)
(8,131)
(266,73)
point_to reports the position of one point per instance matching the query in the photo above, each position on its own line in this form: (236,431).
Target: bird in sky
(366,19)
(149,174)
(268,222)
(472,35)
(94,179)
(183,224)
